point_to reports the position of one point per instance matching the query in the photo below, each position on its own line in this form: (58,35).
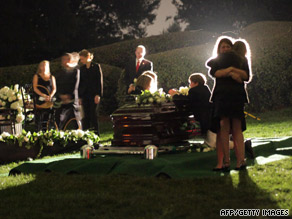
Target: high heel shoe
(241,167)
(226,169)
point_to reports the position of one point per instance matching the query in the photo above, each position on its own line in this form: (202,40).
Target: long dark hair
(224,40)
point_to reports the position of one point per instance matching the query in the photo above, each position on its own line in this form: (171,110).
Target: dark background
(34,30)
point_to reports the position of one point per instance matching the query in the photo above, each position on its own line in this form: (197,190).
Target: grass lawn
(52,195)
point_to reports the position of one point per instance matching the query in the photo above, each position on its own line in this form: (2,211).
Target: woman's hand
(47,98)
(236,77)
(172,92)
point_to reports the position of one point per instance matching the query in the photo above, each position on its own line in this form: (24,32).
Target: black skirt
(231,110)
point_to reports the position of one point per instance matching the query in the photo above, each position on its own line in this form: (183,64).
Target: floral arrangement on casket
(184,91)
(11,98)
(181,91)
(158,97)
(48,138)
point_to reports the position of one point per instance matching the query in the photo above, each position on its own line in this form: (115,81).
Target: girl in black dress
(44,86)
(229,71)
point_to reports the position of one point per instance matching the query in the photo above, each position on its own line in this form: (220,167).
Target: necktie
(137,66)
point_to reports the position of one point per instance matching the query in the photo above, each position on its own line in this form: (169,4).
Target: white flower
(89,142)
(19,117)
(10,99)
(158,100)
(150,100)
(184,90)
(19,109)
(20,102)
(16,87)
(10,93)
(3,103)
(14,105)
(5,134)
(62,134)
(80,133)
(160,91)
(51,143)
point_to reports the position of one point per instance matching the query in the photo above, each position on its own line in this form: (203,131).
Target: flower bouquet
(36,144)
(11,98)
(158,97)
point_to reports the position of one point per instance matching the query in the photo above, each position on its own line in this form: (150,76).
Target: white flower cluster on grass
(11,98)
(157,97)
(48,138)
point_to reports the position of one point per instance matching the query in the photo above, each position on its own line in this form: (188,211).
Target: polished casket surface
(157,124)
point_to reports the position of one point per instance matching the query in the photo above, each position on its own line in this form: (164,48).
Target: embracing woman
(230,71)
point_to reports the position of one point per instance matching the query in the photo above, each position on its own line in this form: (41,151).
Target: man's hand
(131,88)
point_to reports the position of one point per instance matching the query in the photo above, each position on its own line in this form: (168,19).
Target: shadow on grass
(54,195)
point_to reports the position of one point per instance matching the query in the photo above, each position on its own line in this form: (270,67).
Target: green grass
(55,195)
(272,124)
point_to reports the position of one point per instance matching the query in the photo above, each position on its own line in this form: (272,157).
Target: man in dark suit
(90,90)
(137,67)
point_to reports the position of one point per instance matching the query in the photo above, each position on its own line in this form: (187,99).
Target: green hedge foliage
(271,46)
(118,54)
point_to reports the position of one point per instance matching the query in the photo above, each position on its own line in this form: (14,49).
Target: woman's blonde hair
(39,66)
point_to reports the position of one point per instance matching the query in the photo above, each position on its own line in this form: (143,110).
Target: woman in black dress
(44,86)
(229,95)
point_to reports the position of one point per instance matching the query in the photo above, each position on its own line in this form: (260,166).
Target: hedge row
(118,54)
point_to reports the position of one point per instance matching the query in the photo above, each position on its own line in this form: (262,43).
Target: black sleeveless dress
(45,87)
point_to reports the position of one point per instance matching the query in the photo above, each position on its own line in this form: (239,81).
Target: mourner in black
(90,90)
(137,66)
(44,86)
(198,100)
(68,83)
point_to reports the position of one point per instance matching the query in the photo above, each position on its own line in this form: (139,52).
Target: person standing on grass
(68,83)
(44,86)
(90,90)
(136,67)
(229,96)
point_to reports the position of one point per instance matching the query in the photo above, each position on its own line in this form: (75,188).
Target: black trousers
(90,119)
(68,116)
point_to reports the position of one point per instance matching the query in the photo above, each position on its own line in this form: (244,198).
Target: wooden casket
(157,124)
